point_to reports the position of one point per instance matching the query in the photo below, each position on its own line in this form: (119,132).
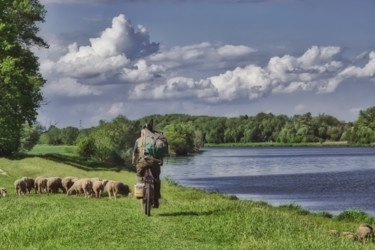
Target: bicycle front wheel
(148,199)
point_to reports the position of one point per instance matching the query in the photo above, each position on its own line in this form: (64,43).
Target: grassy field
(187,218)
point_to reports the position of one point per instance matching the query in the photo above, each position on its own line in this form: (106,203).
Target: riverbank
(188,218)
(277,144)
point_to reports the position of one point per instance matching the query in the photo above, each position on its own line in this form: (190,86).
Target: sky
(205,57)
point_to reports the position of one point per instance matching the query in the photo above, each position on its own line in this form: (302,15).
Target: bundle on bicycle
(148,154)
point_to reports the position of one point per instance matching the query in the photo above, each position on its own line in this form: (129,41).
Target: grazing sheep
(20,187)
(87,187)
(41,184)
(29,183)
(76,187)
(95,179)
(98,187)
(117,187)
(3,191)
(53,184)
(365,232)
(36,187)
(67,183)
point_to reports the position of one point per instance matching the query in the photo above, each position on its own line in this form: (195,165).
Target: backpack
(155,143)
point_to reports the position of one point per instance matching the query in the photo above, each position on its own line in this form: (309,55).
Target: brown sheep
(117,187)
(76,187)
(41,184)
(98,188)
(67,183)
(53,184)
(3,191)
(365,232)
(29,183)
(20,187)
(87,187)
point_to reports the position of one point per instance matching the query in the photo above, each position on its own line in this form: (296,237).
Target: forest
(113,141)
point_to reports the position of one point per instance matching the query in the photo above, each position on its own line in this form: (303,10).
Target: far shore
(278,144)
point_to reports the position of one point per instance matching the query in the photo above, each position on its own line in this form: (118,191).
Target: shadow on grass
(189,213)
(83,163)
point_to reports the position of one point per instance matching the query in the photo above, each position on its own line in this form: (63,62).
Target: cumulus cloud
(122,54)
(112,51)
(206,55)
(285,74)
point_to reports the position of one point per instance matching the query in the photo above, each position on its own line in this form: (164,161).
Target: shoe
(156,204)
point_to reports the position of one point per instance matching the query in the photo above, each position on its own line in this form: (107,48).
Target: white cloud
(299,107)
(314,70)
(117,108)
(111,52)
(231,50)
(202,56)
(69,87)
(87,2)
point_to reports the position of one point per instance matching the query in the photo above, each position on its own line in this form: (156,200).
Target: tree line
(113,141)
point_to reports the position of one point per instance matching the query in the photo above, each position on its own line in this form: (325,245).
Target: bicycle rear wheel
(148,199)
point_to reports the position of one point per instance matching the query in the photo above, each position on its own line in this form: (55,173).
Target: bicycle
(148,191)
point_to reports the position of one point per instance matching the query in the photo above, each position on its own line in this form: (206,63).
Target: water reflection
(318,179)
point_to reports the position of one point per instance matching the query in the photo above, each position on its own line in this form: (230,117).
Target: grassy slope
(187,218)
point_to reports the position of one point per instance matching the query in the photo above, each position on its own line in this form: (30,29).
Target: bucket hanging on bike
(138,190)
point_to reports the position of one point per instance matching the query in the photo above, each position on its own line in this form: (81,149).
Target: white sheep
(3,191)
(20,187)
(117,187)
(98,188)
(29,183)
(76,187)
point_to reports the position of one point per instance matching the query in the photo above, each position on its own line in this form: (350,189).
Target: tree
(29,136)
(20,80)
(180,138)
(69,135)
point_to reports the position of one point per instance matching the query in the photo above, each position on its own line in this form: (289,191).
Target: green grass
(41,149)
(187,218)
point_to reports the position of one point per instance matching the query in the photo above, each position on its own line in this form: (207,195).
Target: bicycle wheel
(148,199)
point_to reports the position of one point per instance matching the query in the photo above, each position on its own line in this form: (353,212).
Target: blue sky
(222,58)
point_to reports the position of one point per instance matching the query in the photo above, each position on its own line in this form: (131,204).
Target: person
(139,161)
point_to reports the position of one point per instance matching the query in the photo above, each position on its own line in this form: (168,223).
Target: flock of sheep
(69,185)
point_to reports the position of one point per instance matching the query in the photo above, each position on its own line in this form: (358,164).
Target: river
(331,179)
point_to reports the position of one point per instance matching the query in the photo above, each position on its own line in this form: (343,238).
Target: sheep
(41,184)
(3,191)
(67,183)
(20,187)
(95,179)
(76,187)
(36,187)
(29,183)
(98,187)
(87,187)
(365,232)
(53,184)
(117,187)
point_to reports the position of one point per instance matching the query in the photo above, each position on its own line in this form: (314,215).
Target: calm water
(318,179)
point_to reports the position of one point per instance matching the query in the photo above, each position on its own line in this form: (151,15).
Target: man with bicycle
(143,159)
